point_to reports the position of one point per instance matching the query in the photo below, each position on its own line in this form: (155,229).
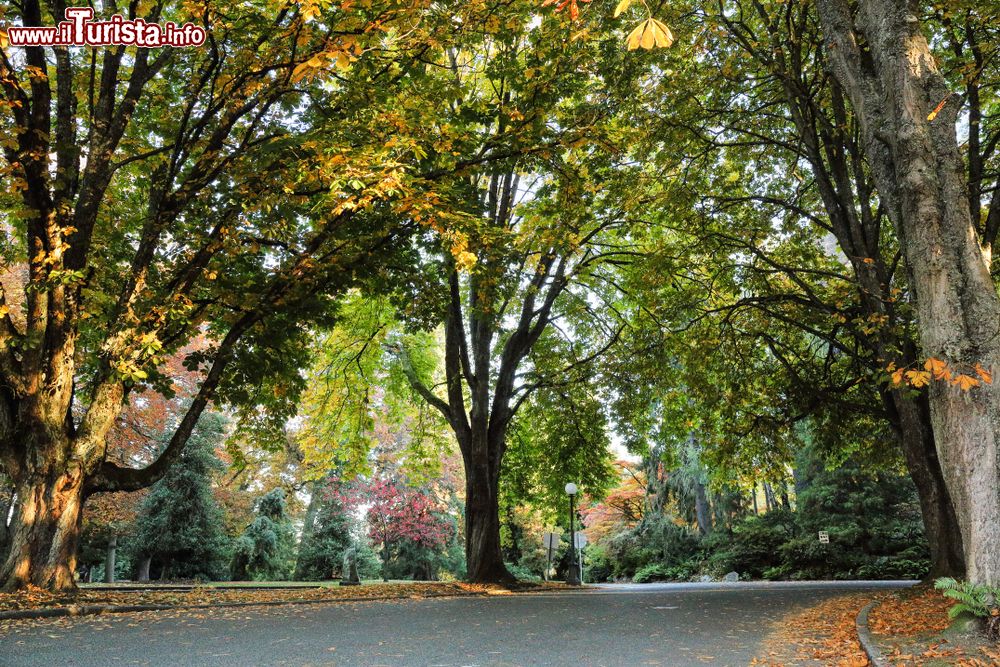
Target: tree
(265,550)
(512,288)
(106,518)
(906,111)
(179,529)
(622,508)
(774,182)
(224,191)
(326,534)
(397,516)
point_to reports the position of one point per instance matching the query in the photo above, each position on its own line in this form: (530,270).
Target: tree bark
(912,420)
(143,573)
(907,114)
(45,538)
(5,508)
(703,512)
(109,561)
(483,557)
(307,526)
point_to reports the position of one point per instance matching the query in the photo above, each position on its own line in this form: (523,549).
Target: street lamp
(573,573)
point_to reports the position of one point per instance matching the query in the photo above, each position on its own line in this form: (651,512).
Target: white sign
(580,541)
(824,537)
(550,540)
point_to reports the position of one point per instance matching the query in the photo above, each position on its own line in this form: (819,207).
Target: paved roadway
(652,624)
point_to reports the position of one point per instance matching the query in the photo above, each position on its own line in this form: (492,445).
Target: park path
(673,625)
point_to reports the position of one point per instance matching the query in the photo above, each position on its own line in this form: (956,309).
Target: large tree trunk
(916,436)
(109,561)
(483,558)
(45,538)
(143,572)
(5,510)
(908,115)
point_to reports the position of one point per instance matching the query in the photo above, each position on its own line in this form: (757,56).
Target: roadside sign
(824,537)
(550,540)
(580,540)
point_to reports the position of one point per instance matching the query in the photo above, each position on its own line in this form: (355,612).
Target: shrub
(522,573)
(655,541)
(652,572)
(979,600)
(597,564)
(661,572)
(753,546)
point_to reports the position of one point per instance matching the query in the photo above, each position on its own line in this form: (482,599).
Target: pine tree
(180,522)
(264,551)
(325,537)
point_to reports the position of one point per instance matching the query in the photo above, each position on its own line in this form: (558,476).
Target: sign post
(579,542)
(573,573)
(551,541)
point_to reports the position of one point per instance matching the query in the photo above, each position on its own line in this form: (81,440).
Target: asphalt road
(654,624)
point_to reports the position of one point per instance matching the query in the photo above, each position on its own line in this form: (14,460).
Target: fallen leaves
(37,598)
(823,633)
(909,625)
(913,612)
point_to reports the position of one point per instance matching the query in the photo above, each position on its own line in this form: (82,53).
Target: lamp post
(573,573)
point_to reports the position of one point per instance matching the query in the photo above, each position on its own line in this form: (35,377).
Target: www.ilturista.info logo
(79,29)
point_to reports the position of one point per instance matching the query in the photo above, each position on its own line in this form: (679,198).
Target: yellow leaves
(4,41)
(939,371)
(311,9)
(4,310)
(621,7)
(574,8)
(465,261)
(340,56)
(932,115)
(918,378)
(938,368)
(305,66)
(650,34)
(965,382)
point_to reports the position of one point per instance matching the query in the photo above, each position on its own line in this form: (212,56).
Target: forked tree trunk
(44,540)
(908,112)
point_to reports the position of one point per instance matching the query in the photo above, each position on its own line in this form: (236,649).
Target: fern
(976,599)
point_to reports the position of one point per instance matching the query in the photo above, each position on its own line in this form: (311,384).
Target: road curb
(93,610)
(875,656)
